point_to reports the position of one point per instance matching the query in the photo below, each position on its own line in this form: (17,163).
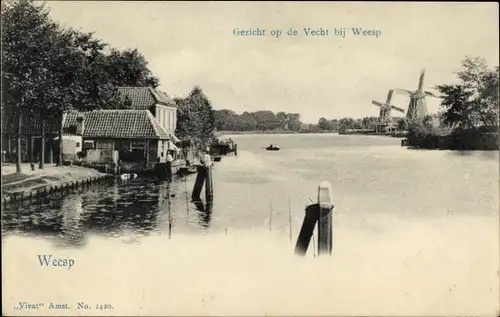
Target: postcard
(189,158)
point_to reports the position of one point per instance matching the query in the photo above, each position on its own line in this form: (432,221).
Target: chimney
(80,125)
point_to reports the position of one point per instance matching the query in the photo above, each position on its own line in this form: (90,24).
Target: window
(137,144)
(77,144)
(105,144)
(88,145)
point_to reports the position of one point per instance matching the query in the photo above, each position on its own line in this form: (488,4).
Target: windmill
(385,118)
(417,108)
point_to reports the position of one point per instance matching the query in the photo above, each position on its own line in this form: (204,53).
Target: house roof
(122,124)
(31,124)
(143,98)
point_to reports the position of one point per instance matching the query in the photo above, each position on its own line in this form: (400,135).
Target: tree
(323,123)
(129,68)
(402,125)
(26,52)
(474,101)
(428,121)
(195,117)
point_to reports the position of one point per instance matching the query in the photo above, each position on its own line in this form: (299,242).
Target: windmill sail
(389,97)
(421,80)
(404,91)
(397,109)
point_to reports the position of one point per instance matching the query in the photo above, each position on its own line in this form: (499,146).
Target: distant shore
(394,134)
(218,133)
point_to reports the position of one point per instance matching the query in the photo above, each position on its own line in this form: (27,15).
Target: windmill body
(385,118)
(417,107)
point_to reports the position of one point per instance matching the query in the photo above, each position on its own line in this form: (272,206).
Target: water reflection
(123,206)
(488,155)
(205,212)
(71,221)
(28,217)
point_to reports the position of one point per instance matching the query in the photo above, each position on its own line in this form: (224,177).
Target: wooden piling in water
(209,193)
(320,213)
(204,176)
(169,171)
(198,183)
(306,232)
(325,227)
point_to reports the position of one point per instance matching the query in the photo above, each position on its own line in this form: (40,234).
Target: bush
(471,139)
(81,155)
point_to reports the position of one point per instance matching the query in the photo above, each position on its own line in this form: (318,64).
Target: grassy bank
(482,139)
(51,175)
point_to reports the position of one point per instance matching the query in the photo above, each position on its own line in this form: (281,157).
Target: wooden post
(146,148)
(169,172)
(169,160)
(325,230)
(209,191)
(236,149)
(32,158)
(10,146)
(321,213)
(306,232)
(198,184)
(51,151)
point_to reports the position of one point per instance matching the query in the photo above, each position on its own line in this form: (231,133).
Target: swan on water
(128,176)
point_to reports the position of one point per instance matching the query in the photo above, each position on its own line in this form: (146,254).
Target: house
(130,132)
(157,102)
(161,107)
(31,136)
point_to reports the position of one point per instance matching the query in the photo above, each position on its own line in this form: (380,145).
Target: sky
(193,43)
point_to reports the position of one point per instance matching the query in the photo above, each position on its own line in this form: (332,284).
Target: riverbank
(399,134)
(470,140)
(29,180)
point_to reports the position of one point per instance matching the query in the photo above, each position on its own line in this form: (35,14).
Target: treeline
(228,120)
(48,69)
(265,120)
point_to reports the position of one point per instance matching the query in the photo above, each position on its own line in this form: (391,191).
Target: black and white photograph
(250,158)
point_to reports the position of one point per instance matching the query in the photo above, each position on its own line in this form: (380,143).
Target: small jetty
(222,146)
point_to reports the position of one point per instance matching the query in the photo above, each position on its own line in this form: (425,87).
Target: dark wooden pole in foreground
(198,184)
(169,174)
(320,213)
(306,232)
(204,175)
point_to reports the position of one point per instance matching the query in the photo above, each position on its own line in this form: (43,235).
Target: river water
(415,233)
